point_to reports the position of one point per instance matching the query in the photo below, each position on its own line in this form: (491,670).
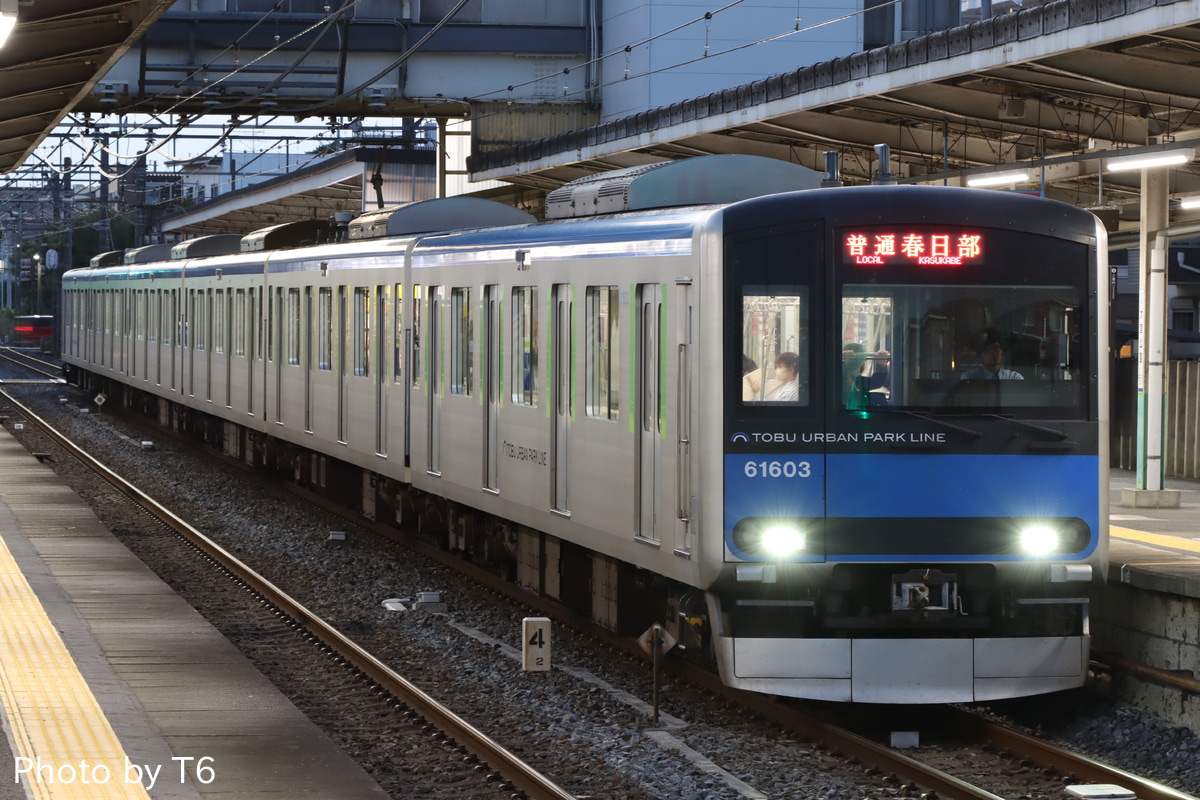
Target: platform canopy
(56,53)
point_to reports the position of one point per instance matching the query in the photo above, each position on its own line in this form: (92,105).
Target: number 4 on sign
(535,647)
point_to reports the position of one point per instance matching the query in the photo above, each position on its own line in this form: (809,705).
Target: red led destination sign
(893,248)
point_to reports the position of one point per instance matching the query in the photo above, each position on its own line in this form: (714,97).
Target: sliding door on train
(433,388)
(561,352)
(648,353)
(491,389)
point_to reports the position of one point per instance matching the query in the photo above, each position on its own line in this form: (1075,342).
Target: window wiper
(1062,435)
(927,416)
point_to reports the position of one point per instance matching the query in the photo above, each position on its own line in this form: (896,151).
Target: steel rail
(843,741)
(846,742)
(514,770)
(23,360)
(1047,755)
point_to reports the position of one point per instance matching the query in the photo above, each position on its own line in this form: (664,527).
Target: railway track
(875,759)
(43,370)
(513,771)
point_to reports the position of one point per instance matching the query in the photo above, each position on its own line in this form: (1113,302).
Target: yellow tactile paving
(1163,540)
(61,734)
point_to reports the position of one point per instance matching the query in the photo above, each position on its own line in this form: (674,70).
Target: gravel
(569,725)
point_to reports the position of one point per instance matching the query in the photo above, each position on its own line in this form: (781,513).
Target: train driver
(990,349)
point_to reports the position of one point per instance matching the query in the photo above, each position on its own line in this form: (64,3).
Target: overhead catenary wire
(236,123)
(704,57)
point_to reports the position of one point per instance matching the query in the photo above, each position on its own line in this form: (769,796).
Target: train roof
(716,179)
(659,232)
(487,232)
(911,204)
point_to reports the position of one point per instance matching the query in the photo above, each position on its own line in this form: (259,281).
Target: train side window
(603,379)
(239,323)
(274,317)
(462,336)
(219,322)
(775,345)
(293,326)
(325,328)
(362,331)
(139,314)
(416,335)
(398,341)
(210,305)
(524,345)
(169,320)
(200,318)
(153,314)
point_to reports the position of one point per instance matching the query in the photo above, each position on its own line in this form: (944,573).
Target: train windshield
(963,349)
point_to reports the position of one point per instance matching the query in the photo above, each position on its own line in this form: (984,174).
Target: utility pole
(105,231)
(68,256)
(139,195)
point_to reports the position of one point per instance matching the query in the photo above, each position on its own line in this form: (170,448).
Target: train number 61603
(778,469)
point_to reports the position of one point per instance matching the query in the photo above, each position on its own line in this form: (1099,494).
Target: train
(32,330)
(848,442)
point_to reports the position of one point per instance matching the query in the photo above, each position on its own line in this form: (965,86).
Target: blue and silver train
(850,442)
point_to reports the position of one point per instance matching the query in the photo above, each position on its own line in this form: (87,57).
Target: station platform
(1157,549)
(113,687)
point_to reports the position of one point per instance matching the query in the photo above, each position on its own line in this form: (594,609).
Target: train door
(137,334)
(277,351)
(397,393)
(309,350)
(115,359)
(433,384)
(174,324)
(684,534)
(120,338)
(491,389)
(250,320)
(413,346)
(383,307)
(194,310)
(228,330)
(135,337)
(647,353)
(156,320)
(561,355)
(150,317)
(104,300)
(342,364)
(106,353)
(175,320)
(149,323)
(206,364)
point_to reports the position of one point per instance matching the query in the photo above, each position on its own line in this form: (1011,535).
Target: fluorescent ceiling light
(998,178)
(1190,202)
(1162,158)
(8,19)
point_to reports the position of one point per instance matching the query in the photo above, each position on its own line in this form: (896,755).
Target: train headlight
(782,540)
(1039,540)
(773,538)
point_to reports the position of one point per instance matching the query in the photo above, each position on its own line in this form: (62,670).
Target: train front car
(914,444)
